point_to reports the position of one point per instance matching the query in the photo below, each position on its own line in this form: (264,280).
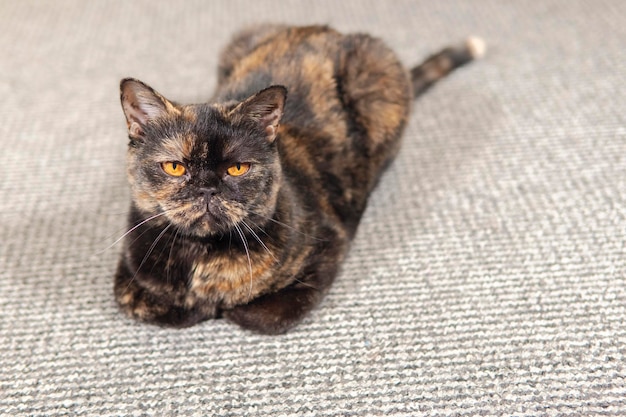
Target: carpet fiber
(488,274)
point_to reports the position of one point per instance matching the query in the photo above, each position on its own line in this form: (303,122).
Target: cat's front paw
(144,305)
(275,313)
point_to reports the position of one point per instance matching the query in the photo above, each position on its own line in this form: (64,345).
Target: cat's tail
(442,63)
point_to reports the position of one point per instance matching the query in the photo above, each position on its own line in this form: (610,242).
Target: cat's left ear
(141,105)
(265,108)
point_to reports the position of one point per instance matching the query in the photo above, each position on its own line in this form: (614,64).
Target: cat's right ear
(141,104)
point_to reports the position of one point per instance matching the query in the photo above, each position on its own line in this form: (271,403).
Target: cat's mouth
(214,216)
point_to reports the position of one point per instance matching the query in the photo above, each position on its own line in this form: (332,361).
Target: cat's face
(209,169)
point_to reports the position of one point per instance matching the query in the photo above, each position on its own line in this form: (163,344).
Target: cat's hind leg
(374,90)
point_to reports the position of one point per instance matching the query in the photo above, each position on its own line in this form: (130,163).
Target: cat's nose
(207,195)
(208,191)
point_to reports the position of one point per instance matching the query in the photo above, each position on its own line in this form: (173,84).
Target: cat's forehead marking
(222,109)
(179,146)
(189,114)
(200,151)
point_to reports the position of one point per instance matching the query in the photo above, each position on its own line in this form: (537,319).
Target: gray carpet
(488,275)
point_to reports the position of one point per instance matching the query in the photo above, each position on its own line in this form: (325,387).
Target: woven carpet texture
(488,273)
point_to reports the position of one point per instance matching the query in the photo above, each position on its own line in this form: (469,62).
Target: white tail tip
(476,46)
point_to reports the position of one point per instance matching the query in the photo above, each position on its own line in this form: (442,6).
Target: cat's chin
(204,227)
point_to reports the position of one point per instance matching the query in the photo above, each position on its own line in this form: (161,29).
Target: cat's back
(347,103)
(303,59)
(325,73)
(291,56)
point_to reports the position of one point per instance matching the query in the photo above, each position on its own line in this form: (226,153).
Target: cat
(245,206)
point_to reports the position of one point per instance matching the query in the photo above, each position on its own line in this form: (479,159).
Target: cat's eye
(238,169)
(175,169)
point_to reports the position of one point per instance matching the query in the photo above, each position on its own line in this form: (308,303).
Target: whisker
(306,284)
(145,258)
(290,227)
(130,231)
(258,239)
(260,229)
(99,212)
(158,257)
(169,257)
(245,245)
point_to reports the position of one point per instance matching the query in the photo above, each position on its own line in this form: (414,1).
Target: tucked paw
(138,304)
(274,313)
(145,306)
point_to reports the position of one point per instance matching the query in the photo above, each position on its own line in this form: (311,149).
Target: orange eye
(238,169)
(175,169)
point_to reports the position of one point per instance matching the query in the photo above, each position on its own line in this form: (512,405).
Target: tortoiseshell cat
(244,207)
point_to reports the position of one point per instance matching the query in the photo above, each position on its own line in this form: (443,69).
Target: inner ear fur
(142,104)
(265,108)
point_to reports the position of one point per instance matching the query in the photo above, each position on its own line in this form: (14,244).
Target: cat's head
(208,167)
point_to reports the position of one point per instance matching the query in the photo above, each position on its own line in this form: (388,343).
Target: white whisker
(245,245)
(270,253)
(169,257)
(130,231)
(289,227)
(258,239)
(145,258)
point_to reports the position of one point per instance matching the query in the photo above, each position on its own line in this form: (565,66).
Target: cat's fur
(317,115)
